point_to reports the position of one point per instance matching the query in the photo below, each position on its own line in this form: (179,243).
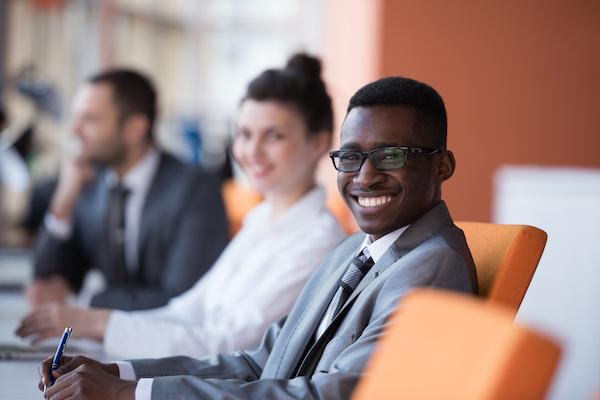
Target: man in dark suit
(392,162)
(149,223)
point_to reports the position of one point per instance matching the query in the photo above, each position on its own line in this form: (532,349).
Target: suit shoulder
(172,164)
(440,261)
(437,248)
(185,172)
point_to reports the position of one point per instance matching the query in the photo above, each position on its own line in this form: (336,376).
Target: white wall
(564,296)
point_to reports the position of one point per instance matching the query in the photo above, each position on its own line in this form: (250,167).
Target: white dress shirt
(138,181)
(254,283)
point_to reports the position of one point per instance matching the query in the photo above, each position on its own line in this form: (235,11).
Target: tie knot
(364,254)
(356,271)
(363,262)
(364,258)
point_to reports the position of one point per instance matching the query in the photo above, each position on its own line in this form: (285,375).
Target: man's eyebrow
(356,146)
(386,144)
(350,146)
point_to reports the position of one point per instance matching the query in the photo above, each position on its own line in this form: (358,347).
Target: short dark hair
(299,84)
(133,93)
(428,105)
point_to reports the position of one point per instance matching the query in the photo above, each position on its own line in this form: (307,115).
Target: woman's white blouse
(255,282)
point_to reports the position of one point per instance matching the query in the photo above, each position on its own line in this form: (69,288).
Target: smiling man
(392,163)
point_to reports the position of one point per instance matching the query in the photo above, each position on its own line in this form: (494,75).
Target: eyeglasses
(384,159)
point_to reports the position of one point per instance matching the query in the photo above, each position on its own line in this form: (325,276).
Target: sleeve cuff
(58,228)
(143,390)
(126,371)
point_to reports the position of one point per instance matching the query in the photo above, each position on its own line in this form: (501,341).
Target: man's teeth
(374,201)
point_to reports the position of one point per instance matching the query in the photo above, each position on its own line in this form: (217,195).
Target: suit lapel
(151,209)
(307,327)
(385,261)
(314,353)
(304,330)
(99,210)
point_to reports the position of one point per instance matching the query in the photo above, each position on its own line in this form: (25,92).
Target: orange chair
(444,345)
(506,257)
(238,200)
(341,211)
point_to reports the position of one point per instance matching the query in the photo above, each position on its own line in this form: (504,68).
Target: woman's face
(274,148)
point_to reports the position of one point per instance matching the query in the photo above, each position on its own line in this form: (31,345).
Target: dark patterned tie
(116,227)
(357,269)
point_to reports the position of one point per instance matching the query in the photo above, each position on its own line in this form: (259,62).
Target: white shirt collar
(377,248)
(138,179)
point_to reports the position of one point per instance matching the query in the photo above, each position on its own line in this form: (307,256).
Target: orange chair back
(506,257)
(340,210)
(238,200)
(444,345)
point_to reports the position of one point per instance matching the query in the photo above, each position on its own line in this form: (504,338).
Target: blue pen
(59,351)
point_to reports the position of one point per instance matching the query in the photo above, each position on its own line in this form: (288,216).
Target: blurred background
(520,79)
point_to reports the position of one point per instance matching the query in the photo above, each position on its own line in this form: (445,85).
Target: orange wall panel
(521,81)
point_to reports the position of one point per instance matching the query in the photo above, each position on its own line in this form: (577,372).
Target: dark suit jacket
(183,230)
(289,364)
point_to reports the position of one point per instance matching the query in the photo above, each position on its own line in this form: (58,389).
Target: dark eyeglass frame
(415,151)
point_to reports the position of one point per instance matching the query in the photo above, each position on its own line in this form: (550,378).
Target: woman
(284,128)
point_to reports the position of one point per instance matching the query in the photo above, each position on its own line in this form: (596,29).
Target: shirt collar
(140,176)
(377,248)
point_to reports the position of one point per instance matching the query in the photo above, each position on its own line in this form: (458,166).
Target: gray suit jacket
(183,230)
(289,364)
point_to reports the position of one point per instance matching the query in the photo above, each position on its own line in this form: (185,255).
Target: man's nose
(368,175)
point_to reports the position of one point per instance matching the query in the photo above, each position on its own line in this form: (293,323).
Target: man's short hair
(133,94)
(430,112)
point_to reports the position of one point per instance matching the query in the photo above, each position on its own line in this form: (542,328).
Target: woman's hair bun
(300,84)
(305,64)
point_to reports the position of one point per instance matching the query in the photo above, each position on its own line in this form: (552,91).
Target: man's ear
(446,165)
(136,128)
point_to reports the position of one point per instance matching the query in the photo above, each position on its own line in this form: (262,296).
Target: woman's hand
(49,320)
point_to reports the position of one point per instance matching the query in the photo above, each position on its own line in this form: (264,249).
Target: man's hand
(74,175)
(49,320)
(83,378)
(53,289)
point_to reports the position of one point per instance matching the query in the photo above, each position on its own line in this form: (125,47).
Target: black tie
(116,226)
(357,269)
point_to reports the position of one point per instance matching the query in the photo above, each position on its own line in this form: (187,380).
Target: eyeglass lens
(385,158)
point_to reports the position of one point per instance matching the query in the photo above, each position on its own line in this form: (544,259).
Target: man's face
(97,125)
(383,201)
